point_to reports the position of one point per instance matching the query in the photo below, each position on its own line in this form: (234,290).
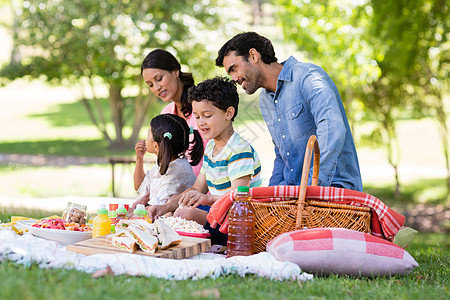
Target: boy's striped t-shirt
(237,159)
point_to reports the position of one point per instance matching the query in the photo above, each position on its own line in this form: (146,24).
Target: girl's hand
(194,198)
(142,200)
(140,149)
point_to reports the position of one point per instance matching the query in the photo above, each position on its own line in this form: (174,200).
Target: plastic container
(121,213)
(139,213)
(75,213)
(241,225)
(101,223)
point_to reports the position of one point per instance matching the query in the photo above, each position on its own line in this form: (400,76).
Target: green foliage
(331,33)
(384,56)
(67,40)
(76,43)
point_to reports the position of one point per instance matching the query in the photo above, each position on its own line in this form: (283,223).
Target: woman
(162,73)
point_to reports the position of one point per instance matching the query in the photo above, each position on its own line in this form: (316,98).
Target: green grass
(429,191)
(428,281)
(70,147)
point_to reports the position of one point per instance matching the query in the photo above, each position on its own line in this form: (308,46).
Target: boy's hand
(155,211)
(140,149)
(194,198)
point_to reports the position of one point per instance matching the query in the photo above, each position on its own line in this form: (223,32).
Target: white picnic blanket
(28,249)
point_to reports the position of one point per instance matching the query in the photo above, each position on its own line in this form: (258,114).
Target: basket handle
(312,144)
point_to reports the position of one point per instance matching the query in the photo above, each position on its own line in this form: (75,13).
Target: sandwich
(166,235)
(146,241)
(143,225)
(124,241)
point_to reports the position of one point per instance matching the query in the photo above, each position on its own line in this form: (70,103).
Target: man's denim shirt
(307,102)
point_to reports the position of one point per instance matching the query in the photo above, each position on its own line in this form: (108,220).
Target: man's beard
(254,79)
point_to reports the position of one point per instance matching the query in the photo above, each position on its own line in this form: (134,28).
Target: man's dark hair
(221,91)
(242,43)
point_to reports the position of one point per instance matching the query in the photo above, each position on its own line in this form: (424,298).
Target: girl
(168,138)
(162,73)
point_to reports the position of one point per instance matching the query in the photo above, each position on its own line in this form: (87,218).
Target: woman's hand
(194,198)
(140,149)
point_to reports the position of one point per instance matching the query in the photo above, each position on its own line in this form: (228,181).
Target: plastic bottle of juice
(112,215)
(139,213)
(241,224)
(102,223)
(121,213)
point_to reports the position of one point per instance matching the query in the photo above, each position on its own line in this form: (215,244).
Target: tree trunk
(15,56)
(393,151)
(116,104)
(442,119)
(141,105)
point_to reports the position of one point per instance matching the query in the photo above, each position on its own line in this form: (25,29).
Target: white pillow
(341,251)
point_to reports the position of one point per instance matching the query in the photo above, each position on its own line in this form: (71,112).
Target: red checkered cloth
(385,221)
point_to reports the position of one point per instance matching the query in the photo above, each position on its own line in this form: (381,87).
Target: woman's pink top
(171,108)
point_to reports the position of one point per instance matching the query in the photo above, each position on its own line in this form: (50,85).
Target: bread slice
(124,242)
(143,225)
(146,241)
(166,235)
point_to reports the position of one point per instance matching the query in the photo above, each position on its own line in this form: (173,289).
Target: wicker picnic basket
(276,217)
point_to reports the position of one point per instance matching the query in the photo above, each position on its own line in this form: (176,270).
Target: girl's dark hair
(178,143)
(163,60)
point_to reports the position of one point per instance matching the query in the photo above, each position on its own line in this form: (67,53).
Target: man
(298,100)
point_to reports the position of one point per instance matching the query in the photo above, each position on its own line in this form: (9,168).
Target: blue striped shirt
(237,159)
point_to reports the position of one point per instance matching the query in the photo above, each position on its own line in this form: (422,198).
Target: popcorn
(180,224)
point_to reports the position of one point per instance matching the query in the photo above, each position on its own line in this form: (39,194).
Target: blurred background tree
(386,58)
(86,43)
(389,60)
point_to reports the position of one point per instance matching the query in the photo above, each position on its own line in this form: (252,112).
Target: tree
(82,42)
(413,37)
(330,34)
(383,56)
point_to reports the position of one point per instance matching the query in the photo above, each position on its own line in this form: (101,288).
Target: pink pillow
(341,251)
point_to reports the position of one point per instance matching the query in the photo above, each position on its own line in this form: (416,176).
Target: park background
(64,64)
(72,95)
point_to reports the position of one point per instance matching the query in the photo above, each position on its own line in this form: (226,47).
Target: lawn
(429,281)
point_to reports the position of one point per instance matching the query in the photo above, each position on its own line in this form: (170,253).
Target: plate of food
(194,234)
(58,230)
(186,227)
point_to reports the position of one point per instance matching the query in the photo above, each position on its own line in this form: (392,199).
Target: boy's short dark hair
(243,42)
(221,91)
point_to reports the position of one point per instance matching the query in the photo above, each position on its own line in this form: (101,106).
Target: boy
(229,160)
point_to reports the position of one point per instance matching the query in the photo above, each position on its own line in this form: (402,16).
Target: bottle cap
(140,210)
(244,189)
(121,209)
(102,209)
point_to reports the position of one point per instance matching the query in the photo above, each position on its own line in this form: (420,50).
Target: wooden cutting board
(189,246)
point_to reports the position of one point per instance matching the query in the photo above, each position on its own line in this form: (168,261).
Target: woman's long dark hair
(176,143)
(163,60)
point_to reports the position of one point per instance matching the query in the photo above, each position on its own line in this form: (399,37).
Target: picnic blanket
(28,249)
(385,221)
